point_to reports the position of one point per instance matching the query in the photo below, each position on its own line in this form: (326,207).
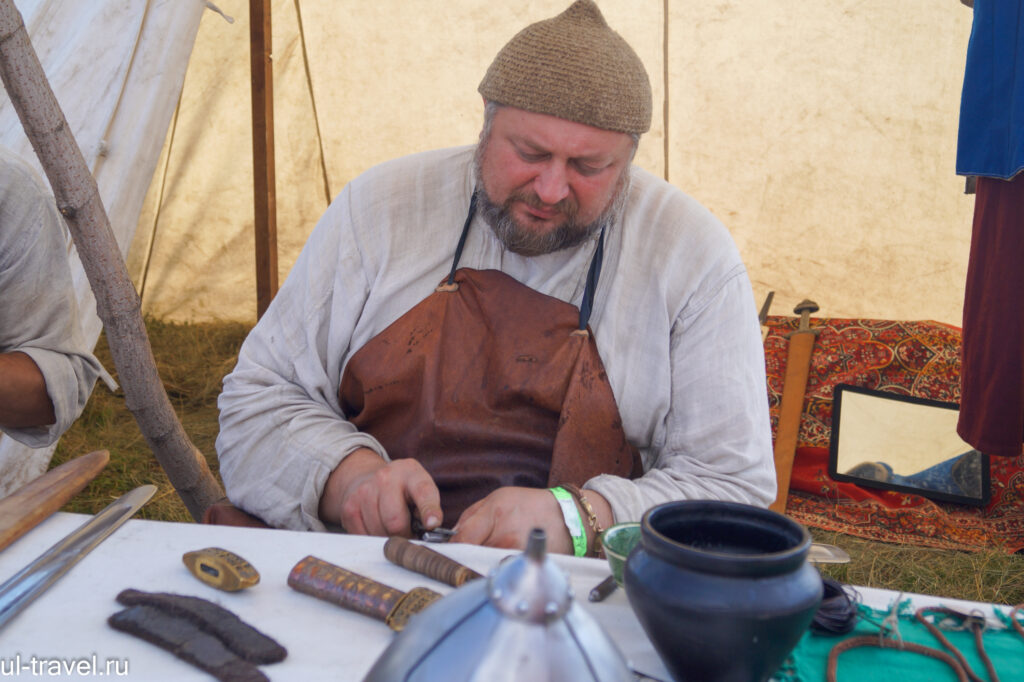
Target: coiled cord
(838,611)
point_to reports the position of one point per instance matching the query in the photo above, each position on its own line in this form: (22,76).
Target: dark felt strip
(237,635)
(186,641)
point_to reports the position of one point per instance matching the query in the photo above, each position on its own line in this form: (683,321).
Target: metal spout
(536,546)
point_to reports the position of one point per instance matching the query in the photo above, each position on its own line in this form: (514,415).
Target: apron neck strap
(593,274)
(462,237)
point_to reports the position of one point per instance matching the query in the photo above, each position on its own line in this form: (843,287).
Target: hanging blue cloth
(991,134)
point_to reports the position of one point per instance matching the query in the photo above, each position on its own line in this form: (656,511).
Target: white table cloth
(66,626)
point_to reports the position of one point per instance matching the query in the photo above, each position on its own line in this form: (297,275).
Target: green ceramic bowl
(618,541)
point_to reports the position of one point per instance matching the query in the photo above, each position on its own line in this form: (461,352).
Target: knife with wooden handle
(28,506)
(427,562)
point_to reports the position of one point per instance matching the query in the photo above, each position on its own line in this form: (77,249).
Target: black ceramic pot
(723,590)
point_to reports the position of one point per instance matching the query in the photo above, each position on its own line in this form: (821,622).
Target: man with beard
(531,333)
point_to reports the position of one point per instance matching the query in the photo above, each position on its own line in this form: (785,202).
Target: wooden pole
(264,191)
(117,303)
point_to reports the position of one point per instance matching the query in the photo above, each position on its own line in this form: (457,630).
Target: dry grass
(192,360)
(991,576)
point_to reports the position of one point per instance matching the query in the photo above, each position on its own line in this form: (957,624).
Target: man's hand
(505,518)
(368,496)
(24,401)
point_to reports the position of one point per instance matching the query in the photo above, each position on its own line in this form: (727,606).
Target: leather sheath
(798,361)
(489,383)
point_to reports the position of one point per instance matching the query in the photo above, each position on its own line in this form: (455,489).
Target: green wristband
(573,520)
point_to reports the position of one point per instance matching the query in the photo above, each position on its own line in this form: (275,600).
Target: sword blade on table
(31,581)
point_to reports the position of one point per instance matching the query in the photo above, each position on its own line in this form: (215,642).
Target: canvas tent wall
(116,69)
(822,134)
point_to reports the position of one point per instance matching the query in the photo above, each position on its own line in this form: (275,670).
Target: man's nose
(551,185)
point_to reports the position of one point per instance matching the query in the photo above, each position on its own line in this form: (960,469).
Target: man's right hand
(368,496)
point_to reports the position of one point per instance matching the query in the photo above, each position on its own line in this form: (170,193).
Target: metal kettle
(520,623)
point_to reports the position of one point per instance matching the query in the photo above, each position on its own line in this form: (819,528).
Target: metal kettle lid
(518,624)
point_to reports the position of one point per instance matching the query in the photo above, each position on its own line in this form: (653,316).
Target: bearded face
(547,184)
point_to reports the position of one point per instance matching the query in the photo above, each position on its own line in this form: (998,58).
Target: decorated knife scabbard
(355,592)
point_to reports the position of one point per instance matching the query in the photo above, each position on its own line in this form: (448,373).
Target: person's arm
(505,517)
(287,453)
(24,402)
(718,441)
(367,495)
(39,319)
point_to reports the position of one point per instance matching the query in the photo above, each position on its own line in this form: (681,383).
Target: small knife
(603,589)
(31,581)
(435,535)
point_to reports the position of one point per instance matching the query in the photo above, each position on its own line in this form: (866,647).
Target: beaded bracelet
(592,521)
(573,520)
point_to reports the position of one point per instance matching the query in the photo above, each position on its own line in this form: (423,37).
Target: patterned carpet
(920,359)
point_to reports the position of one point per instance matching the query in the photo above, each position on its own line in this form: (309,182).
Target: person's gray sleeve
(38,309)
(718,442)
(281,427)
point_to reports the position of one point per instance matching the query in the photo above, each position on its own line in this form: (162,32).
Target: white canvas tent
(822,134)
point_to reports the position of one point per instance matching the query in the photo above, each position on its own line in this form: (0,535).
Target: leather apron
(489,383)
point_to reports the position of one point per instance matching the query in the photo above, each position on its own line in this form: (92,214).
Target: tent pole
(117,303)
(264,191)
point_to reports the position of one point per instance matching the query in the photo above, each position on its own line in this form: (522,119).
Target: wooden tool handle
(26,507)
(349,590)
(428,562)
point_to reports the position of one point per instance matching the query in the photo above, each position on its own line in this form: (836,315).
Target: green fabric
(808,661)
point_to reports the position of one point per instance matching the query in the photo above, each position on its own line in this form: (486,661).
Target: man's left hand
(505,518)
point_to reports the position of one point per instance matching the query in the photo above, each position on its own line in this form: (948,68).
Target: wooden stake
(264,190)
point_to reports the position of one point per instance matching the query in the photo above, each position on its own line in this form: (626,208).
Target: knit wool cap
(575,67)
